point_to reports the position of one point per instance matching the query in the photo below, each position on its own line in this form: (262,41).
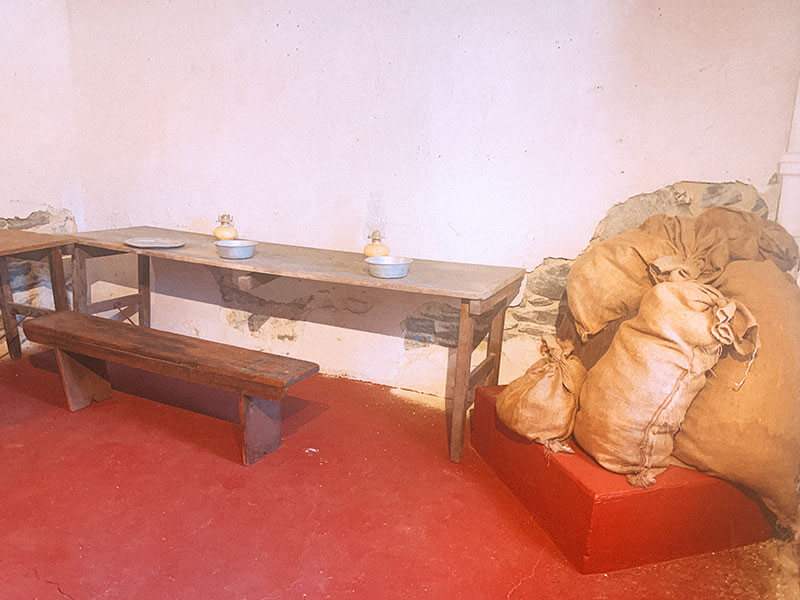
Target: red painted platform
(597,519)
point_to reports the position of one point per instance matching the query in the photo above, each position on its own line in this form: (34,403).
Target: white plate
(146,242)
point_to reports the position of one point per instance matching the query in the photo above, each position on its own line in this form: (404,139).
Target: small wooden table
(28,245)
(483,291)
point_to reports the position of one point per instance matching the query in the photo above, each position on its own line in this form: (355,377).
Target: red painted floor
(135,499)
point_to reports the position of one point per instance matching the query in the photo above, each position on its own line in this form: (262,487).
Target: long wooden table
(29,245)
(482,291)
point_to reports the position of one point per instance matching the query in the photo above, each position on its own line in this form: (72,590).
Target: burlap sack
(749,236)
(701,254)
(634,399)
(608,280)
(752,436)
(541,404)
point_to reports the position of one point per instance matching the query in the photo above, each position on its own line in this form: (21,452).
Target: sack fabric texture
(634,399)
(541,404)
(750,435)
(608,280)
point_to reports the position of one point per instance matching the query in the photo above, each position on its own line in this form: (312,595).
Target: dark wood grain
(16,241)
(171,354)
(83,343)
(25,310)
(144,289)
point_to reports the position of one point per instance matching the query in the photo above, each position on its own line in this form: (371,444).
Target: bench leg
(85,379)
(260,421)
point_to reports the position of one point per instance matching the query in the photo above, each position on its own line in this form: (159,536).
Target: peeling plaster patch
(35,219)
(256,321)
(282,329)
(50,220)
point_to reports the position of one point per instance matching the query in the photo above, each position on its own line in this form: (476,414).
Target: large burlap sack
(750,237)
(634,399)
(608,280)
(751,435)
(541,404)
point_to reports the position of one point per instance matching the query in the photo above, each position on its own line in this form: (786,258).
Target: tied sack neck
(736,328)
(558,351)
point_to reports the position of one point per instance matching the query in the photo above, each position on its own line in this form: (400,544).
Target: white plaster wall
(490,132)
(38,164)
(493,132)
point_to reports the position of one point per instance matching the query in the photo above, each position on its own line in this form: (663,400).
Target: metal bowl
(388,267)
(235,248)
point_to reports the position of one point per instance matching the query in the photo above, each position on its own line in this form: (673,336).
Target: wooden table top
(15,241)
(438,278)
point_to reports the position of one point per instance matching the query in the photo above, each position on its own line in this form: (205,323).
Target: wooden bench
(83,343)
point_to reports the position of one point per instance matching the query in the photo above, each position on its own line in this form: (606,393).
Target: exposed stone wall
(433,323)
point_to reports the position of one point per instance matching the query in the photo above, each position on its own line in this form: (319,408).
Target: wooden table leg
(9,318)
(57,279)
(260,421)
(495,341)
(144,290)
(466,328)
(80,285)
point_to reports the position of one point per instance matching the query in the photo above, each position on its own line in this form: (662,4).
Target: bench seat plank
(83,343)
(206,362)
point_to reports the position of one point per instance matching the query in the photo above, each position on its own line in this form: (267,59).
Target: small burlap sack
(541,404)
(751,435)
(635,397)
